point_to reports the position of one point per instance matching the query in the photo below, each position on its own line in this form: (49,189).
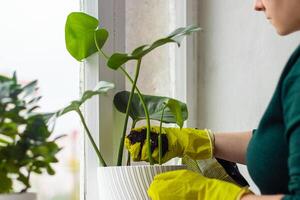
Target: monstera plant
(84,36)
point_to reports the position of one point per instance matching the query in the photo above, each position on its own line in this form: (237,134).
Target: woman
(271,152)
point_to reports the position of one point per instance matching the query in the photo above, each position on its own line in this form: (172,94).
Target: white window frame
(186,60)
(112,15)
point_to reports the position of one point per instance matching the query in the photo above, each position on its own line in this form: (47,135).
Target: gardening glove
(188,185)
(216,168)
(176,142)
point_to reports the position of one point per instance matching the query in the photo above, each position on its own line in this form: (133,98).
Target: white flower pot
(129,182)
(16,196)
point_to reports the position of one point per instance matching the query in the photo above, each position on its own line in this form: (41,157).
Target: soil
(136,136)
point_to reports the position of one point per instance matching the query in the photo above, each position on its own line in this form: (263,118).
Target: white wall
(241,58)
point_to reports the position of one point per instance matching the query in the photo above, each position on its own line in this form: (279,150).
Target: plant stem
(159,137)
(148,138)
(143,104)
(121,147)
(101,160)
(100,50)
(124,71)
(105,56)
(128,157)
(146,114)
(27,180)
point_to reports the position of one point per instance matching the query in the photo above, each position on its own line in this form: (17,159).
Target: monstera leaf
(100,37)
(82,35)
(118,59)
(155,105)
(175,108)
(102,88)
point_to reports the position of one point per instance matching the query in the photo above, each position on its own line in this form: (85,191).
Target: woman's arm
(232,146)
(263,197)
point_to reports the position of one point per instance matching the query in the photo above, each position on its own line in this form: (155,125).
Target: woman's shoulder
(294,66)
(295,56)
(290,77)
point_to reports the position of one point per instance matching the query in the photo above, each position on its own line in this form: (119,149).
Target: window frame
(187,61)
(92,71)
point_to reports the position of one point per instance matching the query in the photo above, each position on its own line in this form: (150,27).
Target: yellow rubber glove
(197,144)
(188,185)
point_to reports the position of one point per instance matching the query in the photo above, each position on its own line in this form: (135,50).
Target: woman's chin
(286,30)
(283,32)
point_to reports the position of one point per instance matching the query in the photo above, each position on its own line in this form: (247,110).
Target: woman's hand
(188,185)
(197,144)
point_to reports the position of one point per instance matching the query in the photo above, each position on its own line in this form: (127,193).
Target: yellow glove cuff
(211,137)
(245,190)
(197,144)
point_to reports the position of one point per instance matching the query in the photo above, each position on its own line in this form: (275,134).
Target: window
(32,44)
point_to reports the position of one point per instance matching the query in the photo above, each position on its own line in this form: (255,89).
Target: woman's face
(283,14)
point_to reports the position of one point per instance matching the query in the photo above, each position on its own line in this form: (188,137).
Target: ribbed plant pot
(21,196)
(129,182)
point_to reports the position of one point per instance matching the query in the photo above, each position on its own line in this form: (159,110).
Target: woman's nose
(259,6)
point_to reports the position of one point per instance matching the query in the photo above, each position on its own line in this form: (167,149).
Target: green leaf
(79,35)
(34,100)
(9,129)
(37,170)
(22,178)
(29,89)
(179,33)
(100,36)
(5,183)
(74,105)
(46,150)
(4,78)
(40,164)
(175,108)
(21,130)
(155,105)
(102,88)
(118,59)
(12,168)
(3,141)
(50,170)
(14,78)
(139,50)
(36,128)
(5,91)
(47,116)
(154,45)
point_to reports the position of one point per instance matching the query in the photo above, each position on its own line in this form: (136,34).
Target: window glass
(143,26)
(32,44)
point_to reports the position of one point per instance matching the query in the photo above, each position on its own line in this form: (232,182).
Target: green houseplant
(84,37)
(25,146)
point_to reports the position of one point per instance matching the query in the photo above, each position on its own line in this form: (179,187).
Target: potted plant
(83,38)
(25,147)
